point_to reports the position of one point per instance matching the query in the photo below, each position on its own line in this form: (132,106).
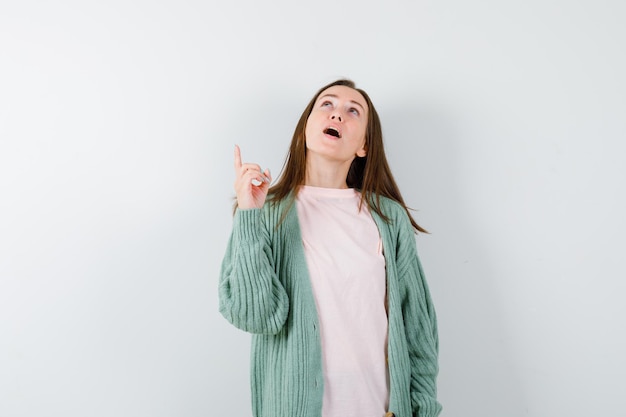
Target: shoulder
(392,218)
(276,212)
(278,206)
(389,205)
(393,210)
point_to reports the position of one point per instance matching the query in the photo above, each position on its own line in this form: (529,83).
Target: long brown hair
(370,174)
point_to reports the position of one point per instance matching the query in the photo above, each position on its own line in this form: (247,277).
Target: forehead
(345,93)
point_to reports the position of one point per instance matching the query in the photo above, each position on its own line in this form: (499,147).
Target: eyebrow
(335,96)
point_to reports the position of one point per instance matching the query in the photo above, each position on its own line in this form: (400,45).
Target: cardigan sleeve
(251,297)
(420,325)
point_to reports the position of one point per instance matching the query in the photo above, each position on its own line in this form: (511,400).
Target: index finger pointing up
(237,157)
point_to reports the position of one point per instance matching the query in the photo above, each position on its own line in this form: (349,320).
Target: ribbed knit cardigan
(265,289)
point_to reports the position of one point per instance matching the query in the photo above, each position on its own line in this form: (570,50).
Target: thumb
(268,175)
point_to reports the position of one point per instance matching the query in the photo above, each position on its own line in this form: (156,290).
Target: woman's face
(337,124)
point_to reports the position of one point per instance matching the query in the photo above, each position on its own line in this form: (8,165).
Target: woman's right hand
(251,185)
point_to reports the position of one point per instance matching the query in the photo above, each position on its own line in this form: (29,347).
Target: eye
(326,103)
(354,111)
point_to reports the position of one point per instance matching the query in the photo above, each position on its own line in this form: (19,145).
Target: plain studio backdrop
(505,126)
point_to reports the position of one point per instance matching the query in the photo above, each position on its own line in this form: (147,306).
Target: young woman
(322,268)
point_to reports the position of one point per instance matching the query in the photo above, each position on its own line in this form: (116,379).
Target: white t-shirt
(346,265)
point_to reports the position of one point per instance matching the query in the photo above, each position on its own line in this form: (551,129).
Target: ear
(362,152)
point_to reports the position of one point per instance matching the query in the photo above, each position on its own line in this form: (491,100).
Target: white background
(504,124)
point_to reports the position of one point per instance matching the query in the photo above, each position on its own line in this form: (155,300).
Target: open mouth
(332,132)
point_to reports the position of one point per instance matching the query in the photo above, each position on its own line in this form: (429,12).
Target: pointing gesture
(251,184)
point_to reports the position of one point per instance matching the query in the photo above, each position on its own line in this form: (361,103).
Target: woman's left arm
(420,326)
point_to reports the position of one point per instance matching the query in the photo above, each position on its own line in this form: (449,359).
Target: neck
(326,174)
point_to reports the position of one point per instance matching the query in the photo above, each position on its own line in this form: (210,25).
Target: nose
(336,116)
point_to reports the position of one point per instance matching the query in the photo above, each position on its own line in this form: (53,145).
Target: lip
(335,127)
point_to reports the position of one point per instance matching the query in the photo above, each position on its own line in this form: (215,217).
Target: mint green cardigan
(264,289)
